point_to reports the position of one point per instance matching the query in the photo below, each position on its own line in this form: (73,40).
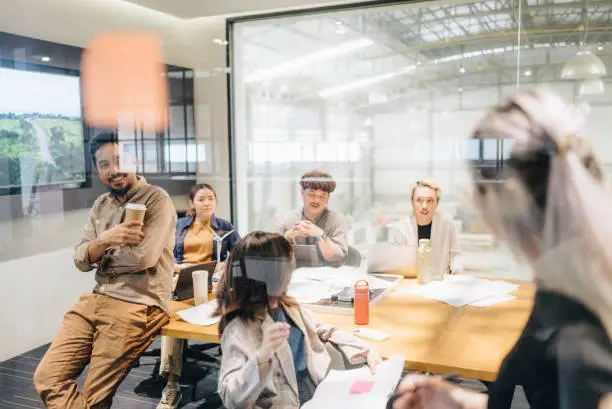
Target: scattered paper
(305,291)
(461,290)
(336,389)
(493,300)
(312,284)
(201,314)
(344,276)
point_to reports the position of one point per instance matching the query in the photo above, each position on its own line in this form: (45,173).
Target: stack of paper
(344,276)
(201,314)
(496,299)
(464,290)
(310,292)
(309,285)
(358,388)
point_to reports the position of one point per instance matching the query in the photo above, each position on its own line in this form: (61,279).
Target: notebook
(358,388)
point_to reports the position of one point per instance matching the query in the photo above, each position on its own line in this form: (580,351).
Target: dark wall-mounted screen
(41,130)
(44,142)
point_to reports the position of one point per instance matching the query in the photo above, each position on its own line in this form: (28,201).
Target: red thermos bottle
(362,302)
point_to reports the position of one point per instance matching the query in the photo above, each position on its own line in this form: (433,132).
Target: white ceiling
(383,58)
(190,9)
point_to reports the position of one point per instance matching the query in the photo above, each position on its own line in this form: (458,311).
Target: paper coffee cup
(135,212)
(200,287)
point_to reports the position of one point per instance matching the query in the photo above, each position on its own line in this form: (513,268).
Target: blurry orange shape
(383,221)
(124,73)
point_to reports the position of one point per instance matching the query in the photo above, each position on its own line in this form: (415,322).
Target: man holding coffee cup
(135,212)
(129,240)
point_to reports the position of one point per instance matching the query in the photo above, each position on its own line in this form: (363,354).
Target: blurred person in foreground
(110,327)
(551,207)
(201,237)
(426,222)
(314,224)
(275,353)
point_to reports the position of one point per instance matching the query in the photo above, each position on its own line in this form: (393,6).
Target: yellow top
(198,245)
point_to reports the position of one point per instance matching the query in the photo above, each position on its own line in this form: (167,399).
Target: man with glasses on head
(314,225)
(428,223)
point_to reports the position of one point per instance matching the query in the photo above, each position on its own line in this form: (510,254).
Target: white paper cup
(200,287)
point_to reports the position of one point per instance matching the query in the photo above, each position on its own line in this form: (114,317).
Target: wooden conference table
(432,336)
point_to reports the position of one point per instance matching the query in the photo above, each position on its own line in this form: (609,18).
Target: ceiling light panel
(365,82)
(296,64)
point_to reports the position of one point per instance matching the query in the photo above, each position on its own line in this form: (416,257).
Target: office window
(382,96)
(175,151)
(46,174)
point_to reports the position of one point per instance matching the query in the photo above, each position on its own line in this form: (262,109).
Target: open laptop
(388,257)
(306,255)
(184,285)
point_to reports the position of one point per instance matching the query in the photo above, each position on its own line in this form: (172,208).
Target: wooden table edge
(440,369)
(174,333)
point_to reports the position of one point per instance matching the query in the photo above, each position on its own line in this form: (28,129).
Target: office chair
(353,257)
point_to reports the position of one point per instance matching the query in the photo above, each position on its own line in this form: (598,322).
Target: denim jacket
(219,226)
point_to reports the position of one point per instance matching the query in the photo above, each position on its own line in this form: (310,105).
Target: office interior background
(379,94)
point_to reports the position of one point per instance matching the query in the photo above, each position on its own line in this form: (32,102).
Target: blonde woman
(426,222)
(549,205)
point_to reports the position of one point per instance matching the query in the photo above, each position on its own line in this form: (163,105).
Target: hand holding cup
(135,212)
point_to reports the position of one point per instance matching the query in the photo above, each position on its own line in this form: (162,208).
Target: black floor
(142,387)
(140,390)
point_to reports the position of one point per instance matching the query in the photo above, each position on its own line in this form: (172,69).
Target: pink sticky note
(362,387)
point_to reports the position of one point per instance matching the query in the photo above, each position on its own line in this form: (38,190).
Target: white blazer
(445,252)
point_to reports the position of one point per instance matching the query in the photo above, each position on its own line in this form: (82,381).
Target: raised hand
(273,338)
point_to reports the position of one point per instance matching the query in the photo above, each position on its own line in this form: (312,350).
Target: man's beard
(119,192)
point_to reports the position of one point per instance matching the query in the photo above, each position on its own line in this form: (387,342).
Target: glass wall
(47,184)
(383,96)
(45,166)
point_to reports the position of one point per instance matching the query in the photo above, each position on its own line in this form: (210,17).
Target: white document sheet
(335,390)
(310,285)
(462,290)
(344,276)
(307,291)
(201,314)
(487,302)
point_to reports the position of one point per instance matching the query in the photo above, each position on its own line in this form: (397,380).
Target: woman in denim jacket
(201,237)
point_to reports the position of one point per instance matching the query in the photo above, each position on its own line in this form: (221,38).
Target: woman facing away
(274,352)
(201,237)
(551,207)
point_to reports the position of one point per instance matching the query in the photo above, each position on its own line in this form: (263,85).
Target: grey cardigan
(239,384)
(332,223)
(444,240)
